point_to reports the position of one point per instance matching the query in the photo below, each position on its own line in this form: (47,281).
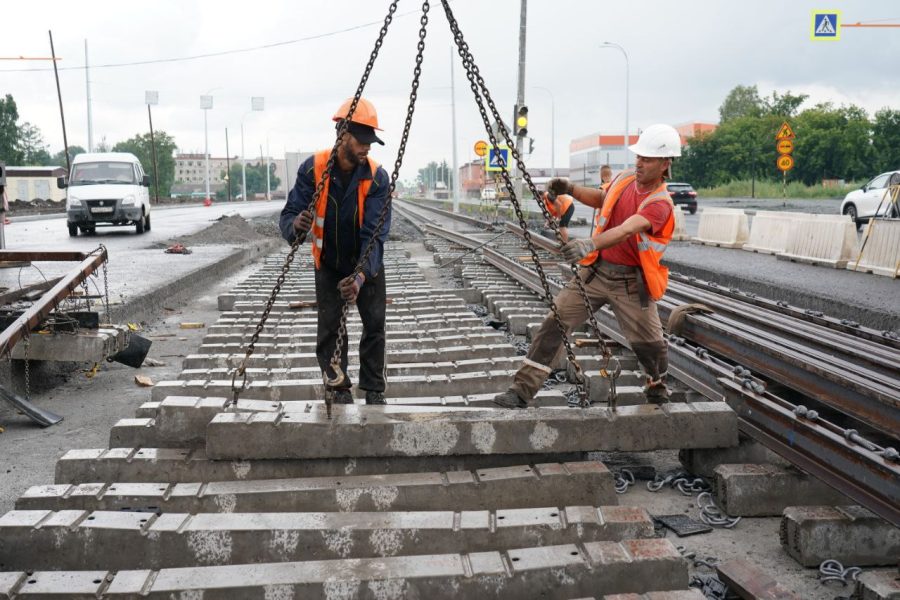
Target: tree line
(832,142)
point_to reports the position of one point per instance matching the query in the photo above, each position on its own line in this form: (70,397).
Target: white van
(106,189)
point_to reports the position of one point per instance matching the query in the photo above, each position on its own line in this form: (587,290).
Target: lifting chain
(27,369)
(241,371)
(610,368)
(102,248)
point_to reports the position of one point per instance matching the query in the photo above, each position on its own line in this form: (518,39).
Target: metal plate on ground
(683,525)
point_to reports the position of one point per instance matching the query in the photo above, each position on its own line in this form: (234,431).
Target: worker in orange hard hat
(342,223)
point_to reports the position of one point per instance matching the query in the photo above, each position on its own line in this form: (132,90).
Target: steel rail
(820,448)
(887,338)
(875,355)
(456,216)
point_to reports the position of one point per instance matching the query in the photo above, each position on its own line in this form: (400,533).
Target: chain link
(27,370)
(106,286)
(298,240)
(482,96)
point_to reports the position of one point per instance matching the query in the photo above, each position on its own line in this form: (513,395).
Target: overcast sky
(684,56)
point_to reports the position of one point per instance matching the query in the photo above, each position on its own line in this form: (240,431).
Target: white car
(862,204)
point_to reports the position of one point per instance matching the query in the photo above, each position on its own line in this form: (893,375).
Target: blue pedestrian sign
(497,159)
(826,25)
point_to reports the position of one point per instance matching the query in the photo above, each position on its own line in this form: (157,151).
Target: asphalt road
(167,223)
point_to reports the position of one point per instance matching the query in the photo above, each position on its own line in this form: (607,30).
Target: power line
(221,53)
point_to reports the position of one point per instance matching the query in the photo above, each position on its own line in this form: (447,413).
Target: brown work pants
(604,285)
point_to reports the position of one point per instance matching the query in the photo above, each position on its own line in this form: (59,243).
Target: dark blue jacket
(344,239)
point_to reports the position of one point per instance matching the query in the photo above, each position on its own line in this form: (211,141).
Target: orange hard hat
(364,114)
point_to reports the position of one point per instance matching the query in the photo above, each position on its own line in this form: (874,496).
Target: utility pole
(152,98)
(268,185)
(520,95)
(87,85)
(227,166)
(455,179)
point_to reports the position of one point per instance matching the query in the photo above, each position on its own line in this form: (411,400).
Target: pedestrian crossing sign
(826,25)
(497,159)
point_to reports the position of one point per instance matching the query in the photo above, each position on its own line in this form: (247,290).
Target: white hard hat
(658,141)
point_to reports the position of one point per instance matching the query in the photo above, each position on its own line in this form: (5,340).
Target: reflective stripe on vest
(320,161)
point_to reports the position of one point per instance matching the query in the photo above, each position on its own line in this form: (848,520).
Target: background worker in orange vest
(562,207)
(340,227)
(620,267)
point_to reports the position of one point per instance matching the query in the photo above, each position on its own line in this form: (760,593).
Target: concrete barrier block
(723,227)
(563,571)
(850,535)
(769,231)
(353,432)
(748,490)
(880,584)
(881,254)
(128,540)
(519,486)
(679,235)
(826,240)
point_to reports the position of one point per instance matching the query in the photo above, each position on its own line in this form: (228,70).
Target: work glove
(575,250)
(303,222)
(558,186)
(350,286)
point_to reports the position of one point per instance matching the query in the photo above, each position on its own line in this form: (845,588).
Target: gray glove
(559,185)
(575,250)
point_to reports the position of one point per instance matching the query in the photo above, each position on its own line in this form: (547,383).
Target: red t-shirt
(626,253)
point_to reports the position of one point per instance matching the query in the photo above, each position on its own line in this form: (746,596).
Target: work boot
(343,396)
(657,393)
(375,397)
(509,399)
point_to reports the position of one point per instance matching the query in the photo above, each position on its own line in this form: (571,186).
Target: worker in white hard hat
(620,266)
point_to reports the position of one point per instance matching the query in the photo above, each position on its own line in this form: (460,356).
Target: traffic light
(521,121)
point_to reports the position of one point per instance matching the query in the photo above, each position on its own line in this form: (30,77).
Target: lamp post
(257,104)
(552,128)
(206,103)
(151,98)
(625,54)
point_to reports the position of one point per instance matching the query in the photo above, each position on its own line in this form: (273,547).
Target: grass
(772,189)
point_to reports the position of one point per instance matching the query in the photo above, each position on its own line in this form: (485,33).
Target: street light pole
(152,97)
(206,103)
(552,128)
(257,103)
(627,78)
(455,179)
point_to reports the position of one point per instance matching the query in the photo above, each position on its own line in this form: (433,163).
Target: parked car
(106,189)
(683,194)
(862,204)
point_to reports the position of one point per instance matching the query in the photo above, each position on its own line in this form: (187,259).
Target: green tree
(59,159)
(784,105)
(139,145)
(742,101)
(10,152)
(886,140)
(31,142)
(832,143)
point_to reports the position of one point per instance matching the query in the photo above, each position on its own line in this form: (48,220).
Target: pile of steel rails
(823,393)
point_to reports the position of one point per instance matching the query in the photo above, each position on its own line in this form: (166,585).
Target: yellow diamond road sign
(785,133)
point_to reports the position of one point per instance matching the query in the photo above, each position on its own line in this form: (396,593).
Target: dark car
(684,195)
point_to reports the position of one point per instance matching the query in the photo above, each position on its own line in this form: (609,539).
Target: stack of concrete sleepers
(436,494)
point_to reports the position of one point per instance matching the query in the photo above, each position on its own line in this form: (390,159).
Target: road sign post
(784,145)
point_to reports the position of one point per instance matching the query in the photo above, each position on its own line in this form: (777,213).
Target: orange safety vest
(650,247)
(318,227)
(565,201)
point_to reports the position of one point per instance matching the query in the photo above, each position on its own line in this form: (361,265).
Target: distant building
(472,177)
(588,153)
(191,169)
(34,183)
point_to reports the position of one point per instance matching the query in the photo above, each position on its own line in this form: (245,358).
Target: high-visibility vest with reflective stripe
(650,247)
(318,228)
(564,200)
